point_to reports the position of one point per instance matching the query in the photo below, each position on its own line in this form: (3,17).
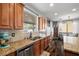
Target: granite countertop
(14,46)
(17,45)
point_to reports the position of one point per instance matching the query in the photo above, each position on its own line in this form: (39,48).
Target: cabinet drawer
(37,50)
(37,42)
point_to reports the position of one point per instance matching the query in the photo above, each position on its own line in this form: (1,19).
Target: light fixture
(74,9)
(51,4)
(55,14)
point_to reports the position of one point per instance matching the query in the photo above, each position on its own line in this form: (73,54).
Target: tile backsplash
(19,34)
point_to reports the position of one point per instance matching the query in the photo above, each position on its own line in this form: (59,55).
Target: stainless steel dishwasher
(25,51)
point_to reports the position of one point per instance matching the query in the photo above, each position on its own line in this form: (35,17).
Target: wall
(19,34)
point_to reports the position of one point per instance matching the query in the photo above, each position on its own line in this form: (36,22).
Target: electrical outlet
(13,34)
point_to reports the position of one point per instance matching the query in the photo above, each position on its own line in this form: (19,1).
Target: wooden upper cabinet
(18,16)
(5,19)
(11,16)
(42,23)
(39,23)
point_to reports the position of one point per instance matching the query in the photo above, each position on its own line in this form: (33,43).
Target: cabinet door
(48,39)
(19,16)
(46,43)
(38,23)
(69,26)
(43,23)
(37,48)
(5,19)
(42,45)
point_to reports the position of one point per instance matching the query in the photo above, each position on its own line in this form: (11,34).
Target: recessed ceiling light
(74,9)
(51,4)
(55,14)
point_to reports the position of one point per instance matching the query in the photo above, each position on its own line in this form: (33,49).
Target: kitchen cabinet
(42,23)
(66,26)
(62,27)
(11,16)
(18,16)
(38,23)
(42,45)
(37,48)
(45,23)
(6,16)
(46,42)
(69,26)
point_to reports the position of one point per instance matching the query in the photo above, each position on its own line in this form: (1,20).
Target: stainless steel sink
(34,38)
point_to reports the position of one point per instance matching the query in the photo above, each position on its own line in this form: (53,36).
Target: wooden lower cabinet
(48,40)
(37,48)
(46,43)
(42,45)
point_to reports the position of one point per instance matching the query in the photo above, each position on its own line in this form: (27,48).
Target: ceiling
(60,8)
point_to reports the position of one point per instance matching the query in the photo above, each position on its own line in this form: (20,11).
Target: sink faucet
(30,35)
